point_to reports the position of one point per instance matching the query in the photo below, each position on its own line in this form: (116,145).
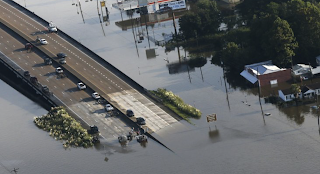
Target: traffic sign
(211,118)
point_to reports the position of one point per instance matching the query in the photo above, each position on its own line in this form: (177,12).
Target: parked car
(109,107)
(59,70)
(45,89)
(48,61)
(130,113)
(96,95)
(141,121)
(81,86)
(52,28)
(61,55)
(43,41)
(93,129)
(62,61)
(26,73)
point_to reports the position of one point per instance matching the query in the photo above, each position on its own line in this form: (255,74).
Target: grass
(176,104)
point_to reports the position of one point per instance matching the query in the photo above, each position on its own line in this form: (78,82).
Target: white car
(81,86)
(109,107)
(96,95)
(43,41)
(59,70)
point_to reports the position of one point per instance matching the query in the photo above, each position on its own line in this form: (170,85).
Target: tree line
(257,30)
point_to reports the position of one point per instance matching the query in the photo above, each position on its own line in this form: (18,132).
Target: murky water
(241,141)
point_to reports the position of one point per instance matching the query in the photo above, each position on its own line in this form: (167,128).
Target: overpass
(85,66)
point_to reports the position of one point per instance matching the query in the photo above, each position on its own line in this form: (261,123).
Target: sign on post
(211,118)
(103,3)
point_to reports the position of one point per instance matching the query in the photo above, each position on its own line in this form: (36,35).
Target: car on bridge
(52,28)
(130,113)
(62,61)
(43,41)
(141,121)
(47,61)
(95,95)
(59,70)
(109,107)
(26,73)
(81,86)
(61,55)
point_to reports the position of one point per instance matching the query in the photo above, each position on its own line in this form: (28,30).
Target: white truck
(52,28)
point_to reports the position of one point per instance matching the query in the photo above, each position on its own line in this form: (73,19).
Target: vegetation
(176,104)
(296,90)
(62,126)
(279,30)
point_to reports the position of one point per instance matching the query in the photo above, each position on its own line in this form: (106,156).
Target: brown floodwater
(241,141)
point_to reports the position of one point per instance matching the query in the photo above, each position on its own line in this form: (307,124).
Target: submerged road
(86,69)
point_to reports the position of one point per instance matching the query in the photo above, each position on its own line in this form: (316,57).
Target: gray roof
(287,91)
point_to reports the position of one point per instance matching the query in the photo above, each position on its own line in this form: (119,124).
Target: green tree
(304,19)
(281,43)
(210,17)
(231,56)
(204,20)
(296,90)
(189,25)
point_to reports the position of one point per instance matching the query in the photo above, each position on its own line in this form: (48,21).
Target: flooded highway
(241,141)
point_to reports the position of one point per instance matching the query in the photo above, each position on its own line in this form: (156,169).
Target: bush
(62,126)
(176,101)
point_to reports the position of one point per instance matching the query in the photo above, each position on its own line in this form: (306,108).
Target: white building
(286,95)
(301,69)
(152,5)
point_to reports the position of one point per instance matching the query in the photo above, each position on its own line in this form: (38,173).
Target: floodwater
(241,141)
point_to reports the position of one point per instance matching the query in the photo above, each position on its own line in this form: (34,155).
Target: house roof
(314,86)
(248,76)
(316,70)
(263,68)
(304,89)
(300,66)
(287,91)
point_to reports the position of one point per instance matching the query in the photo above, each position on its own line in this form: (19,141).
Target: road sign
(211,118)
(103,3)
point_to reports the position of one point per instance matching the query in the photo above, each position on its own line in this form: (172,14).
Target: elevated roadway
(85,68)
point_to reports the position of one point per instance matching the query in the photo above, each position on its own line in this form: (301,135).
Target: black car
(26,73)
(61,55)
(47,61)
(141,121)
(94,129)
(130,113)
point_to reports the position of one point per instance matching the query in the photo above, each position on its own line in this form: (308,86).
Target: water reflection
(214,134)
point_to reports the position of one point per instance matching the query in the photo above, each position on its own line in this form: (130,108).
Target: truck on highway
(52,28)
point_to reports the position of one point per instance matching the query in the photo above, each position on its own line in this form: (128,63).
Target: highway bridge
(83,66)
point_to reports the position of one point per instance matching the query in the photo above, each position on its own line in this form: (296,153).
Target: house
(318,60)
(265,73)
(286,95)
(307,92)
(301,69)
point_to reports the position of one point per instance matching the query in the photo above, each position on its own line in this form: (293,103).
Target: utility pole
(81,12)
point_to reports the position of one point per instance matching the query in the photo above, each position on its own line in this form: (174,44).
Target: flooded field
(241,141)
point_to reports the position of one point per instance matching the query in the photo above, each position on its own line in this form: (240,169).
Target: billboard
(173,4)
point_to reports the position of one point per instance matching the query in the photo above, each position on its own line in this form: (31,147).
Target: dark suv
(141,121)
(61,55)
(130,113)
